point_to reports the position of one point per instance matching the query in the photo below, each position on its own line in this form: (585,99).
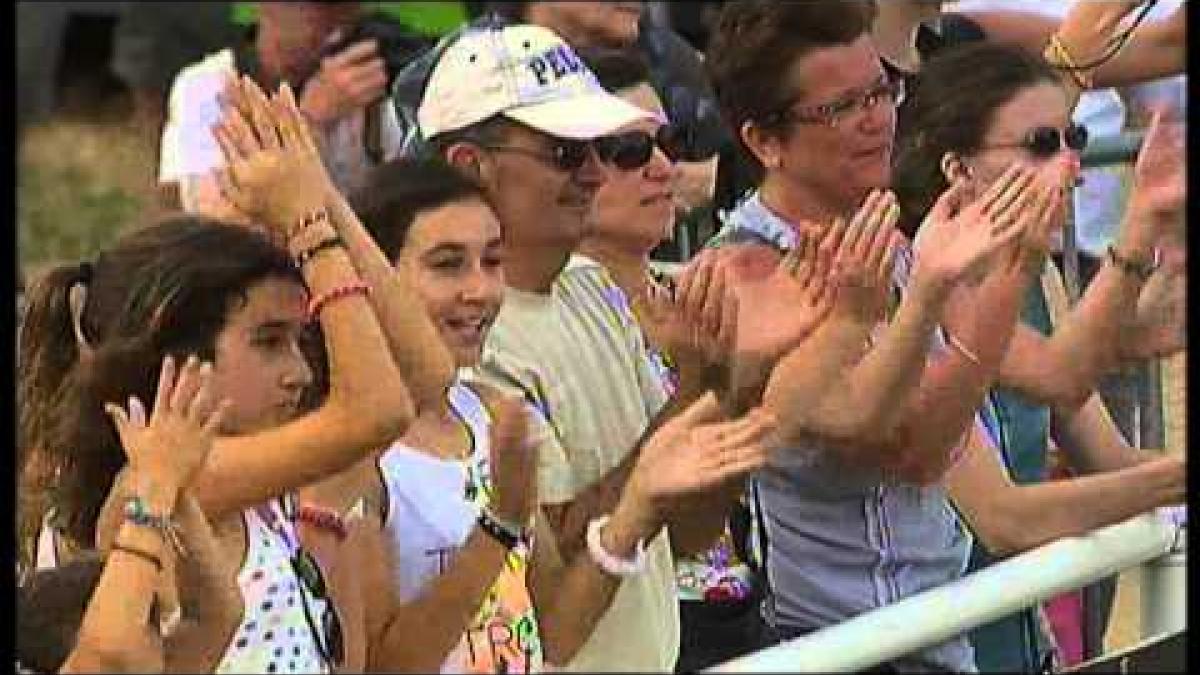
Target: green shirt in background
(434,18)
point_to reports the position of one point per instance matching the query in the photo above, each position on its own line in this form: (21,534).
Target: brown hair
(755,42)
(950,110)
(164,289)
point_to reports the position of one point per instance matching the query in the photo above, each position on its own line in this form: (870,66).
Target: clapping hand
(273,172)
(171,445)
(695,319)
(696,451)
(958,241)
(863,252)
(513,462)
(1160,178)
(783,298)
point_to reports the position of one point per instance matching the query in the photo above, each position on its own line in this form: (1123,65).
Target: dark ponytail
(47,353)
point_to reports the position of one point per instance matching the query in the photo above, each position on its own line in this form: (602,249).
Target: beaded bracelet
(311,252)
(318,303)
(608,562)
(136,513)
(323,518)
(309,219)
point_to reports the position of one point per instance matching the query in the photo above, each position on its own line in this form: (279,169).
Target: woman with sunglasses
(96,332)
(973,111)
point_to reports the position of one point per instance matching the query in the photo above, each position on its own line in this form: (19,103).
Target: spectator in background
(155,40)
(718,596)
(676,71)
(341,96)
(961,120)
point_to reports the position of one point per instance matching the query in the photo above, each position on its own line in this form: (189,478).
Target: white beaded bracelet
(608,562)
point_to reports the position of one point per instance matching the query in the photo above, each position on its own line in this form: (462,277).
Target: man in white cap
(517,109)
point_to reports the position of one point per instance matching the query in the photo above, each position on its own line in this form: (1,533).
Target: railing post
(1164,593)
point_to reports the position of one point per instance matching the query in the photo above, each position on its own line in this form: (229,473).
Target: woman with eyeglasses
(96,333)
(974,111)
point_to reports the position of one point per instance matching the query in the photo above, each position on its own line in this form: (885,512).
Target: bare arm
(208,592)
(1156,49)
(1092,440)
(886,410)
(1011,518)
(112,635)
(1064,367)
(417,349)
(368,404)
(571,595)
(446,607)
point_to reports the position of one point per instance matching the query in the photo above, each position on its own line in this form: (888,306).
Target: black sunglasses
(1045,142)
(330,641)
(565,154)
(633,149)
(627,151)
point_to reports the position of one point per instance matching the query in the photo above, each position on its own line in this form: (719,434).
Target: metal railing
(993,592)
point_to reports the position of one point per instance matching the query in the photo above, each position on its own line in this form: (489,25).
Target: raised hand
(782,307)
(863,251)
(273,172)
(171,446)
(957,242)
(513,462)
(1159,193)
(695,319)
(347,81)
(695,451)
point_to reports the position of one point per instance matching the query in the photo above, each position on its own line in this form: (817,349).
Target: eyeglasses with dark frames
(564,154)
(886,90)
(1045,142)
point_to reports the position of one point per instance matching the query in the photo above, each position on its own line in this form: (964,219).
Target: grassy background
(80,183)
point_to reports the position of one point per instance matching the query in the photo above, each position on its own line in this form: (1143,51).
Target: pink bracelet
(323,518)
(318,303)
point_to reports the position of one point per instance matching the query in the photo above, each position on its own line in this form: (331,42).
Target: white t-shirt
(579,357)
(432,507)
(189,149)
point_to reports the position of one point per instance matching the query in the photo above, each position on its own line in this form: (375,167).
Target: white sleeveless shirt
(432,507)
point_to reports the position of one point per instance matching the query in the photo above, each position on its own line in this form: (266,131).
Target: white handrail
(943,612)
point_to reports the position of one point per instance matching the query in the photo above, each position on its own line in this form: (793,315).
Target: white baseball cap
(526,73)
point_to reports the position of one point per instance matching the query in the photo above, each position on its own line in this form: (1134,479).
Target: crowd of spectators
(401,386)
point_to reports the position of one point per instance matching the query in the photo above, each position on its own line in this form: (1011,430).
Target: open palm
(696,451)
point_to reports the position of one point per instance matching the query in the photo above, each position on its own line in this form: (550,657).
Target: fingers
(694,283)
(297,126)
(888,261)
(359,51)
(186,386)
(859,223)
(120,419)
(711,311)
(212,425)
(202,403)
(166,385)
(885,227)
(262,115)
(1007,190)
(704,410)
(950,202)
